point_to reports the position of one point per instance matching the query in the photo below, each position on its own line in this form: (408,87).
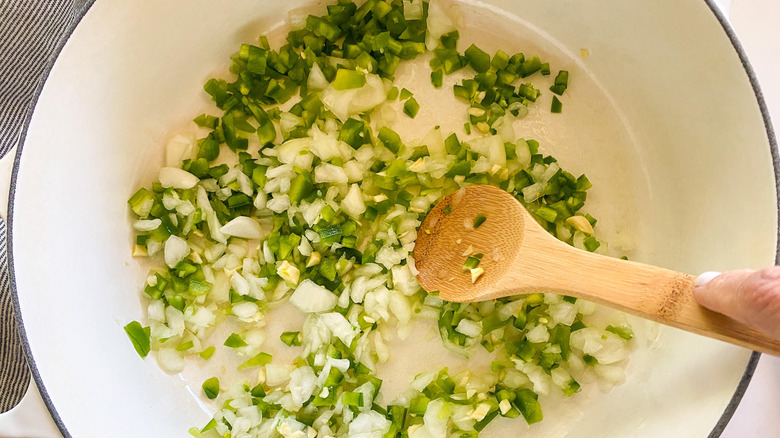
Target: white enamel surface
(669,133)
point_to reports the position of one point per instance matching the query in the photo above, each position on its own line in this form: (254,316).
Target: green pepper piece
(211,388)
(478,59)
(140,337)
(300,187)
(348,79)
(390,139)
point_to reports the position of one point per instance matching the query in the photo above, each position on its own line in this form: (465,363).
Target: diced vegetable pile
(297,194)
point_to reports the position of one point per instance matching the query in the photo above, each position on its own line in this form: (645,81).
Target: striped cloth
(31,34)
(14,375)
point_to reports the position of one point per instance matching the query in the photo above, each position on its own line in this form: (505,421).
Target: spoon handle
(659,294)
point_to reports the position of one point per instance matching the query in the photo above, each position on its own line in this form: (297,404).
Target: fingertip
(705,277)
(718,291)
(733,293)
(707,296)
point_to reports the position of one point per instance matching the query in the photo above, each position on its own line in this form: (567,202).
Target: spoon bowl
(447,237)
(518,256)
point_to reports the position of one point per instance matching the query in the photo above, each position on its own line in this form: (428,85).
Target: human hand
(750,297)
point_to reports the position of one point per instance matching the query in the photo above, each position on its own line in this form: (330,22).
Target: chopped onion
(177,178)
(276,374)
(178,149)
(329,173)
(310,297)
(279,203)
(243,227)
(369,424)
(339,327)
(353,202)
(245,310)
(170,360)
(302,385)
(491,147)
(316,80)
(344,103)
(176,249)
(147,225)
(289,273)
(470,328)
(435,418)
(538,334)
(438,22)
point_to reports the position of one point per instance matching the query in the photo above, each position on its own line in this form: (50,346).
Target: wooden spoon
(520,257)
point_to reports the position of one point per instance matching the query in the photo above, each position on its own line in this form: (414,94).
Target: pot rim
(717,430)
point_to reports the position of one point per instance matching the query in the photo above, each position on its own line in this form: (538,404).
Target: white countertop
(756,24)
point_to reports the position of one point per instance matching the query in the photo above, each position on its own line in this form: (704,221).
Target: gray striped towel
(31,34)
(14,375)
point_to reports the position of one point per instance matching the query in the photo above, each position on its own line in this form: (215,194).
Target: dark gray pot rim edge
(719,426)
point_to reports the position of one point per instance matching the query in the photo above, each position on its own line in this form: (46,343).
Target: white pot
(664,115)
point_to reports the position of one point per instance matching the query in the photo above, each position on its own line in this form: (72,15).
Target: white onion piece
(329,173)
(337,101)
(457,197)
(310,297)
(239,283)
(588,340)
(176,249)
(243,227)
(400,307)
(389,257)
(339,327)
(178,149)
(245,310)
(435,142)
(369,424)
(279,203)
(261,200)
(369,96)
(175,320)
(469,328)
(404,280)
(305,247)
(438,22)
(563,313)
(422,380)
(177,178)
(354,171)
(156,311)
(316,80)
(302,384)
(532,192)
(326,146)
(277,374)
(288,121)
(353,203)
(538,334)
(289,272)
(170,360)
(283,170)
(290,150)
(491,147)
(435,419)
(211,216)
(344,103)
(147,225)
